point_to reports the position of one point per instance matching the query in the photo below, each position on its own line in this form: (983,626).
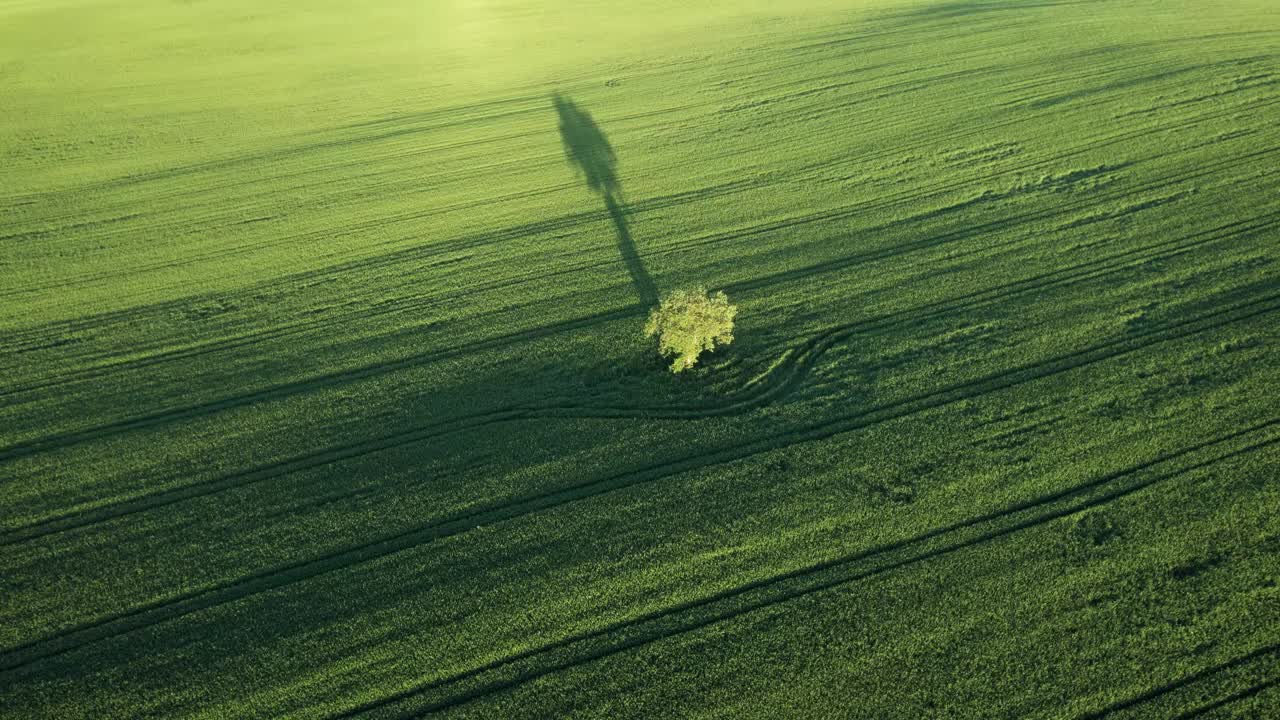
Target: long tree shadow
(587,148)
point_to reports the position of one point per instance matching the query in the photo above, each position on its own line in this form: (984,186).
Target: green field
(324,393)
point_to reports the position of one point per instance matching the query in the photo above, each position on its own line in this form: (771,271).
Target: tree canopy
(689,322)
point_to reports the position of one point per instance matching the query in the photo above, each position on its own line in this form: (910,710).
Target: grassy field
(325,395)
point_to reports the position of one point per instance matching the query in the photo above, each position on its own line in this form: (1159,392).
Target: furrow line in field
(379,223)
(405,255)
(1233,697)
(311,169)
(1269,653)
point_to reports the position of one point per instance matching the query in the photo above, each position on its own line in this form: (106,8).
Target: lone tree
(689,322)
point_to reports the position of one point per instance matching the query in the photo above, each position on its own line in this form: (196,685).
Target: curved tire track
(268,579)
(781,379)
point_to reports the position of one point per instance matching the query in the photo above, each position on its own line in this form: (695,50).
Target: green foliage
(318,378)
(690,322)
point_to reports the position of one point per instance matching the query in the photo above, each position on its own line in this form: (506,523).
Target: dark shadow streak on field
(1262,653)
(587,148)
(971,8)
(1118,85)
(1232,698)
(909,26)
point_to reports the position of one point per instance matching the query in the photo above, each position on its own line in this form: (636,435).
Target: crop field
(324,391)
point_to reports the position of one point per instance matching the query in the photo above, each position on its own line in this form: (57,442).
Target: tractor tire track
(1234,697)
(380,222)
(1269,652)
(728,604)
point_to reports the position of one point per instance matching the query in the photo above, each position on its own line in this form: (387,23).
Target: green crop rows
(325,393)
